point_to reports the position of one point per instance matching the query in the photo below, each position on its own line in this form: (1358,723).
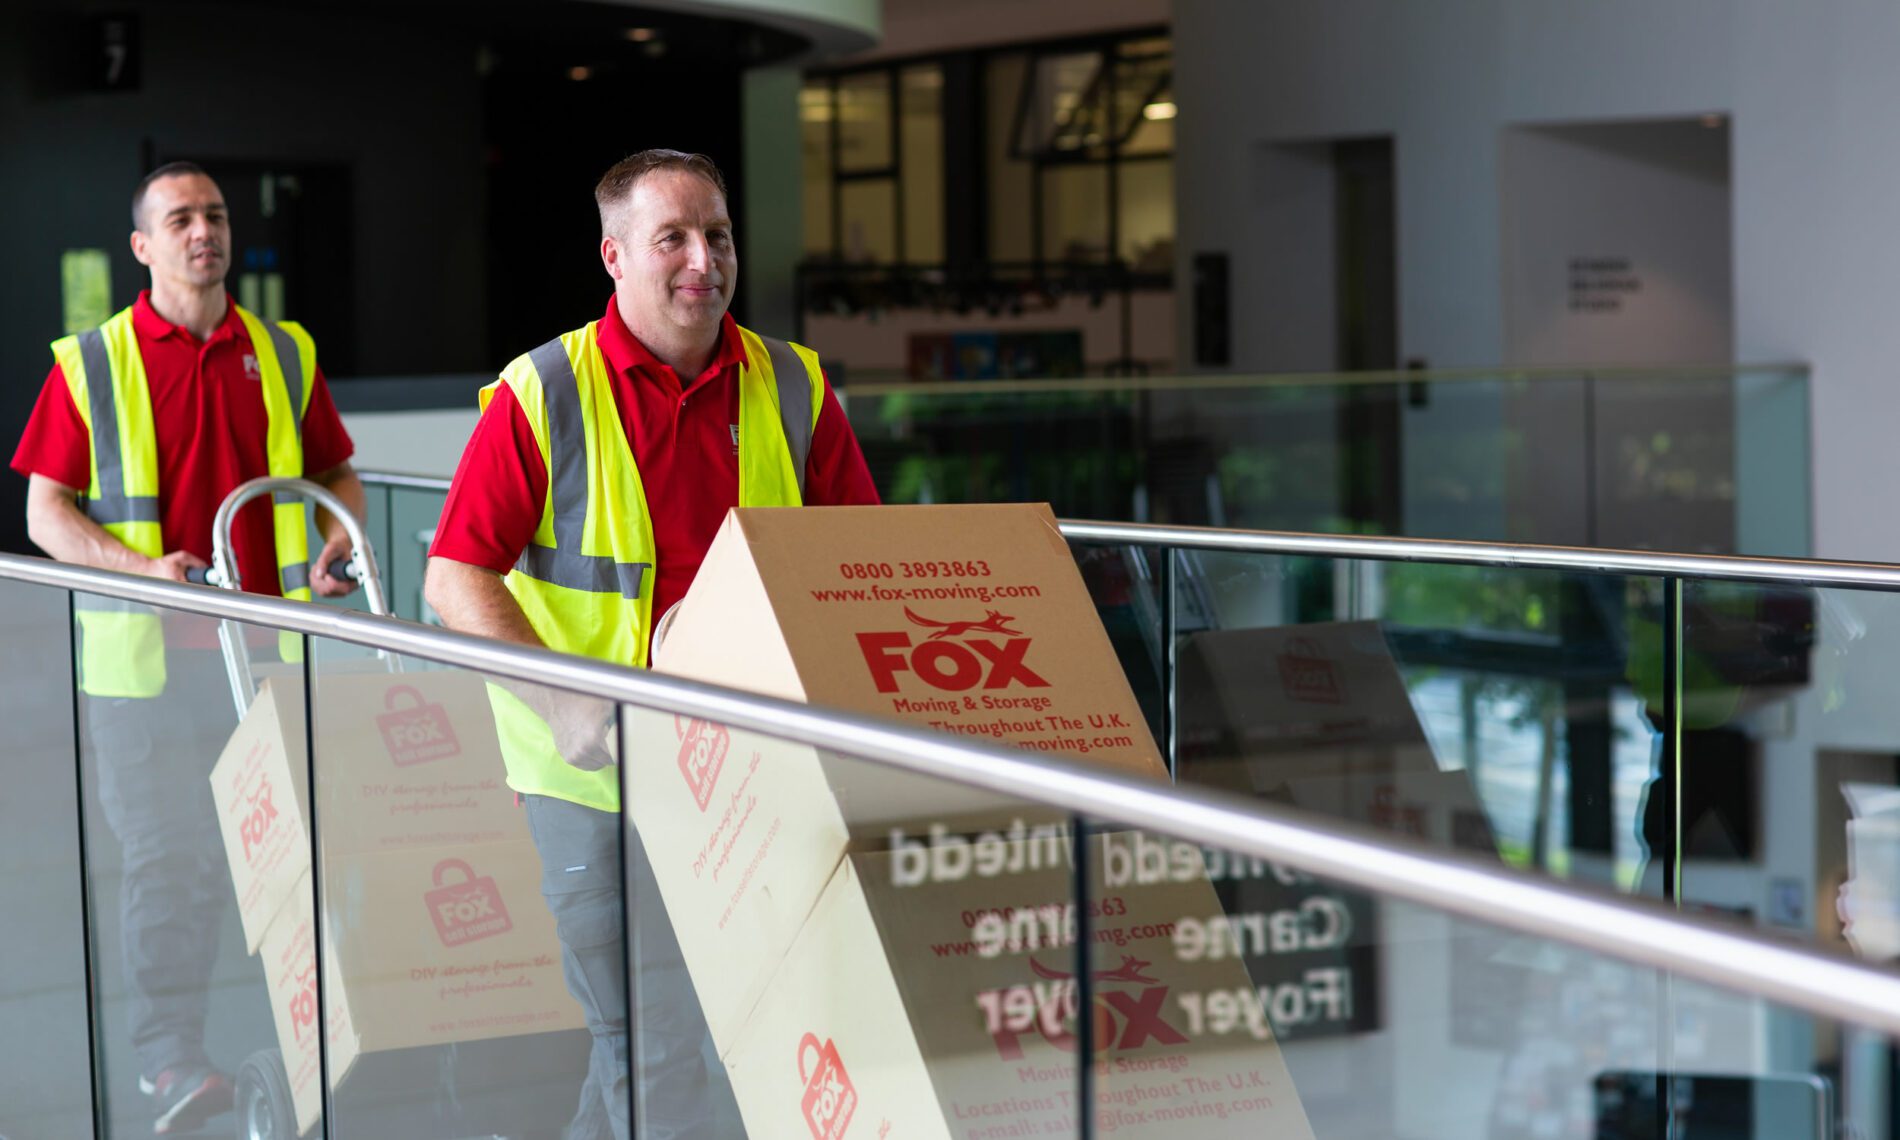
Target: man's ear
(610,257)
(139,244)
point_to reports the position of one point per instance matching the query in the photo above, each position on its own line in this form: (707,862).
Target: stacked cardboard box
(434,928)
(880,953)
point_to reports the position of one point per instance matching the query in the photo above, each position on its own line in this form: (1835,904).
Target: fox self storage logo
(830,1098)
(414,730)
(255,815)
(703,748)
(1130,1010)
(303,1002)
(464,907)
(955,656)
(1308,676)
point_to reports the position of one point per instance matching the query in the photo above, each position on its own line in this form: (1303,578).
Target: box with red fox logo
(290,972)
(425,946)
(967,619)
(932,996)
(971,620)
(404,760)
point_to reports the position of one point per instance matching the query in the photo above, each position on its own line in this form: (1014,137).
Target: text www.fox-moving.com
(948,592)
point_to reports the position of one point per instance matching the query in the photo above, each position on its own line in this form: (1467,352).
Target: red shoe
(186,1098)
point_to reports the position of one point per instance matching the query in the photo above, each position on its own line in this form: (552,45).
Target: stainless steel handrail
(1262,381)
(1817,982)
(1581,559)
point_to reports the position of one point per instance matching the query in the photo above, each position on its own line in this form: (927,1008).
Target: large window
(873,147)
(1068,145)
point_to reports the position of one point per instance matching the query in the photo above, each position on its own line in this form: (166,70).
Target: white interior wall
(1815,171)
(1617,244)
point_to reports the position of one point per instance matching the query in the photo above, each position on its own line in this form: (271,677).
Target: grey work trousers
(153,758)
(581,879)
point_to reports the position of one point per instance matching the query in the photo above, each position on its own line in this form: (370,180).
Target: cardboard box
(435,930)
(428,946)
(406,760)
(969,619)
(923,1007)
(290,972)
(746,829)
(1319,715)
(814,895)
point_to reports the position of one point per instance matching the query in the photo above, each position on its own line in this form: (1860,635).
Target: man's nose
(698,253)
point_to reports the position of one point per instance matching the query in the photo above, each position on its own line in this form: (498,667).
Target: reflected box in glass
(435,931)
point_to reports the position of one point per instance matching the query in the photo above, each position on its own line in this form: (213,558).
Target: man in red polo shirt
(208,424)
(689,387)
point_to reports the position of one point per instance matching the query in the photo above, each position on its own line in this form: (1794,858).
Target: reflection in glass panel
(1075,213)
(1496,711)
(1065,114)
(865,944)
(1260,454)
(870,220)
(1345,1013)
(922,93)
(189,859)
(1790,781)
(1146,203)
(45,1066)
(459,918)
(1011,179)
(814,121)
(864,122)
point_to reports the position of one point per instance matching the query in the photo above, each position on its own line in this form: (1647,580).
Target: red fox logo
(996,622)
(1124,1018)
(1133,970)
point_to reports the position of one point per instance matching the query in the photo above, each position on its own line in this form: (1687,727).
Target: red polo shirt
(685,442)
(208,413)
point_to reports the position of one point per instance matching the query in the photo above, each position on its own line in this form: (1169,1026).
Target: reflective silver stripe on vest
(563,564)
(101,604)
(113,505)
(290,362)
(794,403)
(124,509)
(293,576)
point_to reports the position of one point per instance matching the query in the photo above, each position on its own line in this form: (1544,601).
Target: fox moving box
(1317,714)
(878,953)
(434,928)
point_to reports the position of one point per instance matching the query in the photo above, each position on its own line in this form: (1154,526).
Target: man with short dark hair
(599,473)
(143,427)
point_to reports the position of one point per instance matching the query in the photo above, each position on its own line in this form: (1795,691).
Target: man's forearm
(472,599)
(56,525)
(342,482)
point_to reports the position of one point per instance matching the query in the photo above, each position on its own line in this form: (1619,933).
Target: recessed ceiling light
(642,35)
(1158,111)
(580,74)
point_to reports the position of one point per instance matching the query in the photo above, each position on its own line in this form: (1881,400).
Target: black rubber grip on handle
(341,571)
(198,575)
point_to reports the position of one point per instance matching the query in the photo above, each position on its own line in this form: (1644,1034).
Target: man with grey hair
(603,465)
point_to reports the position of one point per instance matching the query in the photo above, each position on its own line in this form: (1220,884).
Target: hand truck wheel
(264,1107)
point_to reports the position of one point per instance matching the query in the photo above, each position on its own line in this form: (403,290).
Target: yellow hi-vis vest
(122,650)
(585,581)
